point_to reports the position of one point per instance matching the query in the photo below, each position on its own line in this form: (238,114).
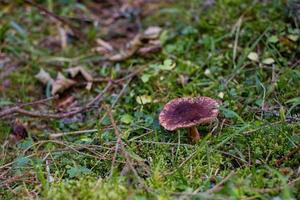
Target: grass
(210,48)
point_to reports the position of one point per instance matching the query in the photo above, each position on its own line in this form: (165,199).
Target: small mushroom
(189,112)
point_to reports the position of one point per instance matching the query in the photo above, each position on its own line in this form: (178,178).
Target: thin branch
(58,18)
(219,186)
(276,189)
(120,143)
(160,143)
(287,156)
(58,135)
(122,148)
(20,110)
(39,101)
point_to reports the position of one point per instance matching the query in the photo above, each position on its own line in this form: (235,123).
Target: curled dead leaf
(143,43)
(44,77)
(74,71)
(61,84)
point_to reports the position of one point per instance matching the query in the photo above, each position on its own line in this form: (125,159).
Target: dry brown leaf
(132,47)
(44,77)
(61,84)
(101,50)
(76,70)
(149,48)
(104,44)
(152,32)
(89,86)
(144,44)
(121,56)
(65,103)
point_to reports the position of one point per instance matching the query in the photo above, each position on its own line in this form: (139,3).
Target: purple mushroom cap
(188,112)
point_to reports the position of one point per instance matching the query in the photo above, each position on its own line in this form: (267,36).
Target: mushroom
(188,112)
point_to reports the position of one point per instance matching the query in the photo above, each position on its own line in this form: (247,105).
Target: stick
(287,156)
(20,110)
(122,148)
(58,18)
(119,141)
(219,186)
(276,189)
(58,135)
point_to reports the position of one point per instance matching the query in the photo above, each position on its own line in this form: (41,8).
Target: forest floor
(82,84)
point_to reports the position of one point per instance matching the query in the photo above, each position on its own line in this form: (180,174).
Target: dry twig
(119,141)
(122,148)
(276,189)
(219,186)
(20,110)
(287,156)
(58,18)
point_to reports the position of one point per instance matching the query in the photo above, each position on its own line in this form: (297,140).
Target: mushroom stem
(194,134)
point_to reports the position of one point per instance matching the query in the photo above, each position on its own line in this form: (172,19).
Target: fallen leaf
(104,44)
(65,103)
(121,56)
(61,84)
(149,49)
(253,57)
(142,44)
(44,77)
(101,50)
(74,71)
(152,32)
(89,86)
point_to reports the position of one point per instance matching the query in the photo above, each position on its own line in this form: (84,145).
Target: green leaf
(143,99)
(127,119)
(273,39)
(145,77)
(167,65)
